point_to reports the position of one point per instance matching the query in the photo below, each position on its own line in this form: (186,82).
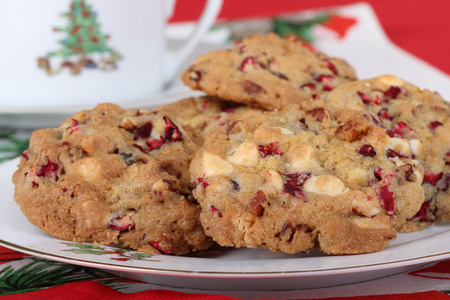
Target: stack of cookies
(287,151)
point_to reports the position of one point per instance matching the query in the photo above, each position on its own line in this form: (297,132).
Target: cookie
(111,175)
(267,71)
(200,114)
(305,178)
(411,115)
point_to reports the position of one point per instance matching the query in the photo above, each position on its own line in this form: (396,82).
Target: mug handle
(175,58)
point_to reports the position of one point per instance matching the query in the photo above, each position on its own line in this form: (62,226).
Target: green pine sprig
(303,29)
(41,274)
(10,146)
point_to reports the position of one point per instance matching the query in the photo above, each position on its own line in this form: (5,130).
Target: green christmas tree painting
(84,46)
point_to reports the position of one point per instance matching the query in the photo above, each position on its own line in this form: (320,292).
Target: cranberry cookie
(305,178)
(410,115)
(111,175)
(267,72)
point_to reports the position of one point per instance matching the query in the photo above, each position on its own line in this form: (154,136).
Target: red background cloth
(419,27)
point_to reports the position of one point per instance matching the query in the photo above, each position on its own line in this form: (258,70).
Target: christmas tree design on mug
(84,47)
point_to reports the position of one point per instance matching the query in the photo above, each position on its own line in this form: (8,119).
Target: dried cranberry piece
(401,130)
(433,125)
(392,92)
(256,205)
(447,158)
(326,81)
(202,180)
(367,150)
(215,211)
(143,132)
(171,131)
(426,213)
(248,64)
(368,101)
(409,172)
(392,153)
(443,183)
(331,66)
(431,177)
(122,223)
(157,246)
(154,143)
(386,195)
(74,126)
(310,86)
(378,172)
(294,183)
(270,149)
(364,97)
(34,183)
(49,169)
(25,155)
(324,78)
(383,113)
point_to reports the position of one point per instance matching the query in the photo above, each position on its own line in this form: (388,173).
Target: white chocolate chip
(274,178)
(159,125)
(214,165)
(301,159)
(247,154)
(416,147)
(325,184)
(89,169)
(159,185)
(400,145)
(418,171)
(285,130)
(391,80)
(368,208)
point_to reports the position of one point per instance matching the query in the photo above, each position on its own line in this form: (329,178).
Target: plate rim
(227,274)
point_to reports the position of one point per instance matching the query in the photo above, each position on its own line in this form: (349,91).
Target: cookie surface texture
(111,175)
(413,116)
(304,178)
(267,71)
(200,114)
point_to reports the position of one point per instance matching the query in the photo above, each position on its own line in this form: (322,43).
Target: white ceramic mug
(60,52)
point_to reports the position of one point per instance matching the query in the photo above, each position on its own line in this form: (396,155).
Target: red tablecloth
(419,27)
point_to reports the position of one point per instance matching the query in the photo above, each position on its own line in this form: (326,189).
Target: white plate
(220,268)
